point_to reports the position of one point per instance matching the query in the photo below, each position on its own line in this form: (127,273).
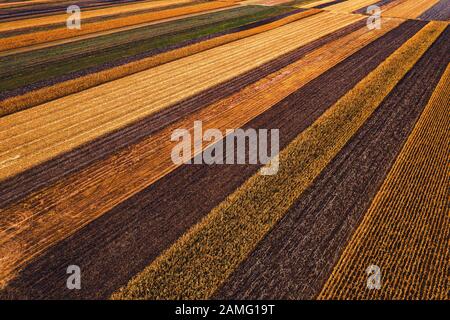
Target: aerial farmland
(224,150)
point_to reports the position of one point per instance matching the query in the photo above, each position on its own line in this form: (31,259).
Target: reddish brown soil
(113,248)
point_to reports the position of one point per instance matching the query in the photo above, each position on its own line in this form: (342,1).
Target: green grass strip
(202,259)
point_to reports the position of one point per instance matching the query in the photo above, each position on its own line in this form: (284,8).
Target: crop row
(86,14)
(200,261)
(62,125)
(406,229)
(62,89)
(150,159)
(64,33)
(410,9)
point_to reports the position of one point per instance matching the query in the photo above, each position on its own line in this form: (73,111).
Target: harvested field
(408,219)
(21,102)
(248,214)
(88,126)
(44,139)
(61,18)
(350,6)
(410,9)
(52,35)
(337,190)
(440,11)
(159,158)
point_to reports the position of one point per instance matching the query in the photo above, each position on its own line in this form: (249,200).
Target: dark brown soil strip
(122,61)
(52,26)
(22,12)
(440,11)
(297,256)
(17,187)
(119,244)
(379,4)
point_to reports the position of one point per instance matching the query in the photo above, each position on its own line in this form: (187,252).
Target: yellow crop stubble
(200,261)
(410,9)
(59,90)
(150,160)
(407,227)
(86,14)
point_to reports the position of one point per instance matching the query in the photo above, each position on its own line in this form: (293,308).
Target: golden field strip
(201,260)
(104,32)
(59,90)
(35,135)
(407,228)
(410,9)
(350,6)
(36,229)
(63,33)
(87,177)
(314,3)
(89,13)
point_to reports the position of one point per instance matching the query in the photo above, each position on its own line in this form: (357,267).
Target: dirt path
(141,227)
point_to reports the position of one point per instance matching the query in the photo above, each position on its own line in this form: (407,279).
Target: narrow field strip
(144,225)
(46,55)
(324,5)
(350,5)
(201,260)
(440,11)
(86,14)
(296,258)
(154,160)
(62,24)
(57,168)
(65,88)
(26,10)
(54,43)
(57,34)
(383,4)
(311,3)
(410,9)
(45,68)
(64,124)
(406,229)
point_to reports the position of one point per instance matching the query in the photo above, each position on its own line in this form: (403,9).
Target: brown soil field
(154,153)
(406,229)
(163,196)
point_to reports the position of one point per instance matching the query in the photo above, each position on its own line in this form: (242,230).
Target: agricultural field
(350,200)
